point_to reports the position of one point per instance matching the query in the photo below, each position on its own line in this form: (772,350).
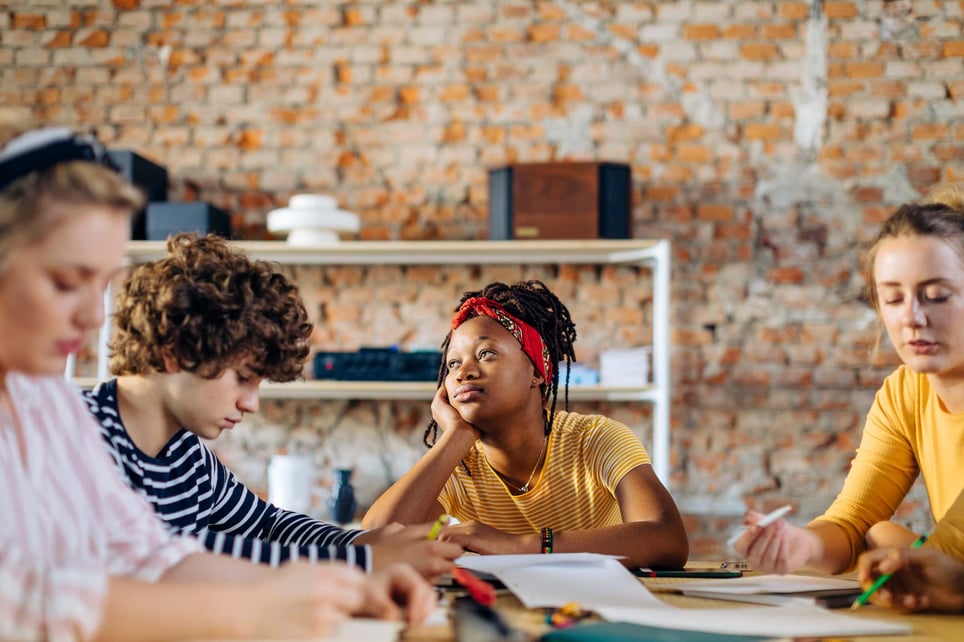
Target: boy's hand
(397,592)
(430,558)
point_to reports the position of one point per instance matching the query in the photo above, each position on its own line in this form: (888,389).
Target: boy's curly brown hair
(209,307)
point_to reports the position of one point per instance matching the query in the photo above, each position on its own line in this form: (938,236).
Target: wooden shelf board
(431,252)
(406,390)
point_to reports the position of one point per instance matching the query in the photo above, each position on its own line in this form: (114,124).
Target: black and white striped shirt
(194,493)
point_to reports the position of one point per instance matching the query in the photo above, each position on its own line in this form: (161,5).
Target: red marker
(480,590)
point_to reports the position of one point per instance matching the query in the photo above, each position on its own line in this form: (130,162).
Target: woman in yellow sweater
(520,475)
(915,279)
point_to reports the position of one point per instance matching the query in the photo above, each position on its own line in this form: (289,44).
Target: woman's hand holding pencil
(771,545)
(763,522)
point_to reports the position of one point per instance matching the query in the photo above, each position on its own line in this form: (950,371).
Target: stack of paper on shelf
(625,367)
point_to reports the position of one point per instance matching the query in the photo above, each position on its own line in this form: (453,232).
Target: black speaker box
(378,364)
(150,177)
(577,200)
(165,219)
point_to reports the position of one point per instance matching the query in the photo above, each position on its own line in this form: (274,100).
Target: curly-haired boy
(196,334)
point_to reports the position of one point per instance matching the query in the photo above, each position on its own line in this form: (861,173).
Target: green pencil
(862,599)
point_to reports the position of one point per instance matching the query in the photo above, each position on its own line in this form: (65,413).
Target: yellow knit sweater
(908,432)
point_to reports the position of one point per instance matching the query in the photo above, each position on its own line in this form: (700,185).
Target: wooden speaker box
(578,200)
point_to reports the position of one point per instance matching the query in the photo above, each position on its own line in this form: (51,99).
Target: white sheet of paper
(439,615)
(493,563)
(765,584)
(592,584)
(787,621)
(359,628)
(367,629)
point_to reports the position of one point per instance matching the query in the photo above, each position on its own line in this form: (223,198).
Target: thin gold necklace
(524,488)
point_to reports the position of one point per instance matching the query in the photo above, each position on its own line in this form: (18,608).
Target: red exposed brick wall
(767,140)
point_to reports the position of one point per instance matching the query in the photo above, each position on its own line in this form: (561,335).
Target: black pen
(691,572)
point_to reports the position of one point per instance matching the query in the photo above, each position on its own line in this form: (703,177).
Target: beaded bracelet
(546,540)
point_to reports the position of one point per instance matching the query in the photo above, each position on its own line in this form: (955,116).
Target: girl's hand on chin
(447,417)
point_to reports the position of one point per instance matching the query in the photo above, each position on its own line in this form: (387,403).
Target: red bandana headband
(527,336)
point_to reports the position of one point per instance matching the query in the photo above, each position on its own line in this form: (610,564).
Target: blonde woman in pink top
(81,555)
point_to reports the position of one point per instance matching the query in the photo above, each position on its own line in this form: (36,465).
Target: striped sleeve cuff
(360,556)
(276,553)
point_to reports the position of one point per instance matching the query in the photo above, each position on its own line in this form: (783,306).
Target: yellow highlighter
(442,520)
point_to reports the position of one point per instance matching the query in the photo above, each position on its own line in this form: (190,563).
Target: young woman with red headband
(519,475)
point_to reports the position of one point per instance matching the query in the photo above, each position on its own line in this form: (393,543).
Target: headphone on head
(41,149)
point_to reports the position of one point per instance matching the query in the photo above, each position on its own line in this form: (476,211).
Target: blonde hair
(950,195)
(26,214)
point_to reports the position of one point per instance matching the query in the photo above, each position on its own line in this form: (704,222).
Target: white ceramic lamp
(312,219)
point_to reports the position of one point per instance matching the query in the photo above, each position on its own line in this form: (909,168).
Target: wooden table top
(926,627)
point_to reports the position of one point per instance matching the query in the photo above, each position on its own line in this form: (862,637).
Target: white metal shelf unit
(654,254)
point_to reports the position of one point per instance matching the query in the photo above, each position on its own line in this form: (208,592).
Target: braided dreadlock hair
(537,305)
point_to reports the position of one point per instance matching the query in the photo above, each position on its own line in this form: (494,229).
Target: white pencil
(766,520)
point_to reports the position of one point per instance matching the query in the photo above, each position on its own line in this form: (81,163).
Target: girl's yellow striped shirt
(587,456)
